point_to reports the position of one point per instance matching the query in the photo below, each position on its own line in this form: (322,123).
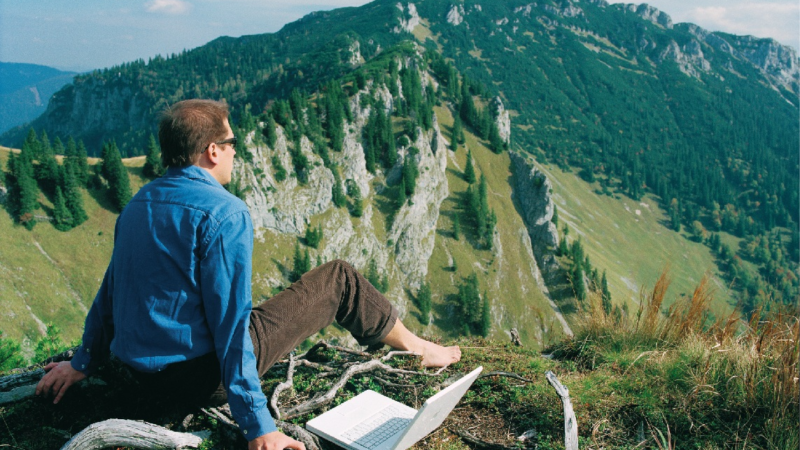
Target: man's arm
(225,277)
(97,334)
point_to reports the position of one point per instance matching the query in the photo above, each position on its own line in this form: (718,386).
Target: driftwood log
(130,433)
(570,423)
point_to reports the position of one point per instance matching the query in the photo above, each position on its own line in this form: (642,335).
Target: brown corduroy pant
(332,291)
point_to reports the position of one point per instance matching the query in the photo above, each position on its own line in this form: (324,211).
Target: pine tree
(410,171)
(337,193)
(153,167)
(280,171)
(270,132)
(116,174)
(401,194)
(10,354)
(486,316)
(554,220)
(424,303)
(62,219)
(301,263)
(469,170)
(358,203)
(577,282)
(73,198)
(82,165)
(47,172)
(22,189)
(458,130)
(606,294)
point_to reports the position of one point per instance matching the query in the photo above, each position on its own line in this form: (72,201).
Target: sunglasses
(233,141)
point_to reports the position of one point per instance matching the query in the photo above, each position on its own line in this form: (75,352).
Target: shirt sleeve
(225,278)
(98,329)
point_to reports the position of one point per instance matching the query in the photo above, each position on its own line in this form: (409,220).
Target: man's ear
(212,154)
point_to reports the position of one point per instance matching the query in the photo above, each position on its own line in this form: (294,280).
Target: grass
(657,379)
(634,248)
(701,384)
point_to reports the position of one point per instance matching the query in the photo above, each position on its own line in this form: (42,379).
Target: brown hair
(188,127)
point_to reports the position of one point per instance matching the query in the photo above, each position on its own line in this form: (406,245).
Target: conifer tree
(401,195)
(410,171)
(22,189)
(469,170)
(337,193)
(486,316)
(62,219)
(458,129)
(280,171)
(10,354)
(606,294)
(82,165)
(73,198)
(424,303)
(152,164)
(577,281)
(47,172)
(554,220)
(30,148)
(301,263)
(270,132)
(119,185)
(358,203)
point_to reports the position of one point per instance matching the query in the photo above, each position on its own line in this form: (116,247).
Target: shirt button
(244,432)
(83,366)
(88,350)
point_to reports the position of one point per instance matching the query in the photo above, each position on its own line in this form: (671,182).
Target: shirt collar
(194,173)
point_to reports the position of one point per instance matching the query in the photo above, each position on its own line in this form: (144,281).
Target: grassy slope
(59,281)
(633,248)
(504,272)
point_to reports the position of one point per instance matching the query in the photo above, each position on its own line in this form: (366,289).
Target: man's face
(226,157)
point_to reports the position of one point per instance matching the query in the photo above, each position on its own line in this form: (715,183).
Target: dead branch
(322,400)
(288,384)
(570,422)
(129,433)
(299,433)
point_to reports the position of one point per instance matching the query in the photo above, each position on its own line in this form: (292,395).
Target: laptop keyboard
(378,428)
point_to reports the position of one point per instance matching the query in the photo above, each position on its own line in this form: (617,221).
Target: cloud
(168,6)
(777,20)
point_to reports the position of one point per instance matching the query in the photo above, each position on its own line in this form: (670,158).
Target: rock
(532,191)
(651,14)
(407,23)
(355,54)
(285,207)
(525,10)
(690,57)
(414,228)
(456,15)
(502,119)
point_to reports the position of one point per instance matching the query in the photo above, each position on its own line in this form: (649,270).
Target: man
(175,303)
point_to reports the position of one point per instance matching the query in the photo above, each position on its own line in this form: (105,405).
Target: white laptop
(371,421)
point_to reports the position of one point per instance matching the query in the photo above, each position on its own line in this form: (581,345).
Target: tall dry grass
(736,380)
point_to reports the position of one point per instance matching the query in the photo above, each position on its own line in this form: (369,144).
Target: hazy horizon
(93,34)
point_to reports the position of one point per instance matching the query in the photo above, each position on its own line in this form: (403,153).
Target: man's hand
(275,441)
(59,377)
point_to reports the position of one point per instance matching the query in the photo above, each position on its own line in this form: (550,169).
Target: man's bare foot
(434,355)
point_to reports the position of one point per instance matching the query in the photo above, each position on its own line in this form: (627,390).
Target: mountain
(608,139)
(26,90)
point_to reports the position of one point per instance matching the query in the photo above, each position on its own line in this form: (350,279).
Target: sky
(88,34)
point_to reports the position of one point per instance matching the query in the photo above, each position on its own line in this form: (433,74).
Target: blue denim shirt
(178,287)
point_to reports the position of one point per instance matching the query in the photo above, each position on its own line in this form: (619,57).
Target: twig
(394,353)
(570,423)
(299,433)
(273,401)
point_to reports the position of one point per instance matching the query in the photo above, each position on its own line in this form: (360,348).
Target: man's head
(196,132)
